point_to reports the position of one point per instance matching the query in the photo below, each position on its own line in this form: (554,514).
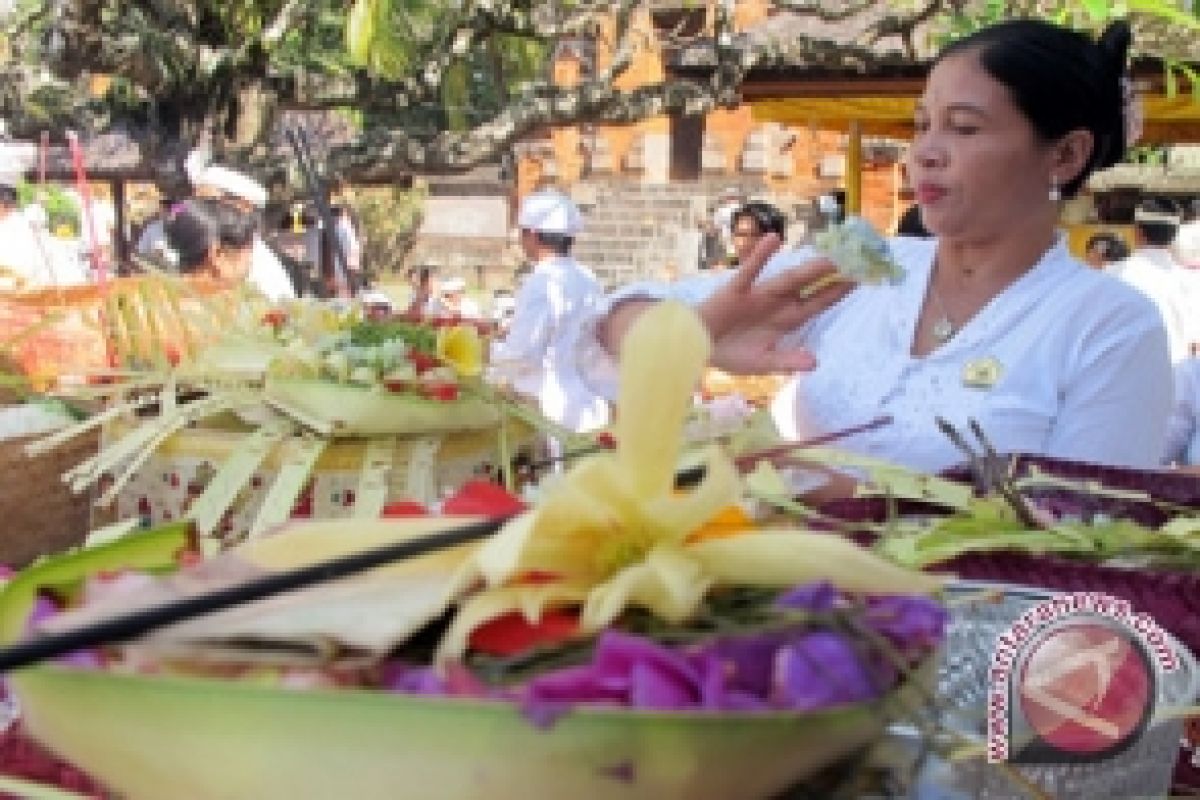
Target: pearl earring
(1055,192)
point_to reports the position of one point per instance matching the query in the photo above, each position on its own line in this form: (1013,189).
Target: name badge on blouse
(982,373)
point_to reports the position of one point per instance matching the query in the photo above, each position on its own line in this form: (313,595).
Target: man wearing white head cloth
(267,273)
(538,355)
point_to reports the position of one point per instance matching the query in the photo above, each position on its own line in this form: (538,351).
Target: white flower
(859,251)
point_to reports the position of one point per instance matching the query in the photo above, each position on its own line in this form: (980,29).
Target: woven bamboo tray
(420,469)
(39,514)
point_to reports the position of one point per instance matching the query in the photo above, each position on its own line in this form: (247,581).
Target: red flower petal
(512,633)
(404,508)
(483,498)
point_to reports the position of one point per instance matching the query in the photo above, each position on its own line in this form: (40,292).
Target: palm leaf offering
(621,637)
(281,392)
(1058,524)
(126,323)
(1080,518)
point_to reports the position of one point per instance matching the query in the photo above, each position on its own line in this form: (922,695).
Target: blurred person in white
(423,300)
(728,202)
(28,259)
(504,305)
(19,259)
(1183,432)
(1152,269)
(453,292)
(994,320)
(152,242)
(537,357)
(1187,242)
(267,273)
(350,242)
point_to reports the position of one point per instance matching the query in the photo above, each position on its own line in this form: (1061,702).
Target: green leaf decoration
(151,551)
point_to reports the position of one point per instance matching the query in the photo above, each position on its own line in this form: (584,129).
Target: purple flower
(44,607)
(719,688)
(822,669)
(911,622)
(815,597)
(400,677)
(625,670)
(796,668)
(542,714)
(454,680)
(748,662)
(657,686)
(81,659)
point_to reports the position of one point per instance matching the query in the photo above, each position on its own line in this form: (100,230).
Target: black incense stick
(129,626)
(693,475)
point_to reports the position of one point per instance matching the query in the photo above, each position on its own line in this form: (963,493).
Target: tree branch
(383,153)
(905,26)
(819,11)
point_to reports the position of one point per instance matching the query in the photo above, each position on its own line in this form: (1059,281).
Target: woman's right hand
(747,317)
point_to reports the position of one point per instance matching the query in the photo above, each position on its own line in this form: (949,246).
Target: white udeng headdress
(550,212)
(231,182)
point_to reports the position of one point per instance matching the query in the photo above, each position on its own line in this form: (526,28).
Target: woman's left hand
(747,317)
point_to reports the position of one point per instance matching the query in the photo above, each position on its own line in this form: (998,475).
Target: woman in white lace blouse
(994,320)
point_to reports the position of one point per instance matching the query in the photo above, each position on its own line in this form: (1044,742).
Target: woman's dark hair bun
(1114,43)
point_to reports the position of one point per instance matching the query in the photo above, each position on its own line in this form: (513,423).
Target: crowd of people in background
(995,319)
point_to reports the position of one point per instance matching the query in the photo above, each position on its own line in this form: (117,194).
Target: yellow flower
(615,533)
(461,348)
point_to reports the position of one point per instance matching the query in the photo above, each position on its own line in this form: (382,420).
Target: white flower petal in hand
(859,251)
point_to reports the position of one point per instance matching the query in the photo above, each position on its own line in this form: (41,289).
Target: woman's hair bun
(1114,43)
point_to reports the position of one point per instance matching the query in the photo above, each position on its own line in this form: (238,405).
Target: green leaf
(360,31)
(150,551)
(884,479)
(1098,10)
(1181,526)
(918,551)
(27,790)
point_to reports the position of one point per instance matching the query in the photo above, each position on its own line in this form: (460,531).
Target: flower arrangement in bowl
(620,638)
(418,378)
